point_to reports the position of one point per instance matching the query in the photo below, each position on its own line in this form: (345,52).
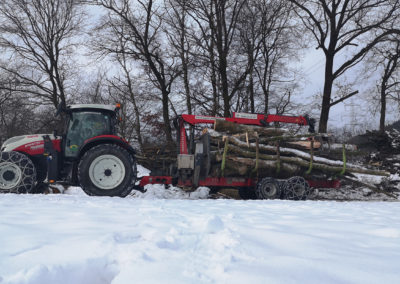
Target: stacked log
(158,158)
(253,151)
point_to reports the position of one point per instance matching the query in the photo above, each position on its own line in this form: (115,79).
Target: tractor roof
(92,107)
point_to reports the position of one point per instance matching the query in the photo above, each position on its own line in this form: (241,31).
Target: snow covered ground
(147,238)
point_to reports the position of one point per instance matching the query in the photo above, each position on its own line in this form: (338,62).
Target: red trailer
(193,161)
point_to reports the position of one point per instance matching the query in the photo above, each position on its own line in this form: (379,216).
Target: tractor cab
(86,122)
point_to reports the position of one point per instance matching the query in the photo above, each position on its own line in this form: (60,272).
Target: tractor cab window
(85,125)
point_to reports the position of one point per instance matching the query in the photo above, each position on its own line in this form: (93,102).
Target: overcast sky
(352,111)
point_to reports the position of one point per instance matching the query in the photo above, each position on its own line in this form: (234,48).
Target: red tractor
(90,154)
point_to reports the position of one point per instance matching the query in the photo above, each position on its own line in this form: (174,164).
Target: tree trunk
(251,92)
(234,128)
(137,125)
(184,60)
(383,108)
(243,153)
(167,124)
(223,50)
(326,99)
(224,83)
(215,107)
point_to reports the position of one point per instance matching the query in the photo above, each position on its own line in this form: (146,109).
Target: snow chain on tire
(296,188)
(17,173)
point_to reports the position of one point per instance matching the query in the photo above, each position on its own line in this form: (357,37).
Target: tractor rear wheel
(17,173)
(107,170)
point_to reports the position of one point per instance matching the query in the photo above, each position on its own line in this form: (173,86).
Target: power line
(314,67)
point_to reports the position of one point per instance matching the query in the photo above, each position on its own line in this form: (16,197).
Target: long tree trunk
(222,49)
(167,124)
(383,108)
(132,99)
(187,88)
(251,91)
(184,61)
(215,107)
(224,83)
(137,114)
(326,99)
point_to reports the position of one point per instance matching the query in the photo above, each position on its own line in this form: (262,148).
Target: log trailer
(91,155)
(194,159)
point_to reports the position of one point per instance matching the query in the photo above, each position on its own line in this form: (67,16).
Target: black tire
(268,188)
(17,173)
(107,170)
(296,188)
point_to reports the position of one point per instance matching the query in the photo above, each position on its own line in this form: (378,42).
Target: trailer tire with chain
(17,173)
(268,188)
(107,170)
(296,188)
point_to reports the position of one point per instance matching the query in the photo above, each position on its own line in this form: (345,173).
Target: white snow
(74,238)
(142,171)
(371,179)
(158,191)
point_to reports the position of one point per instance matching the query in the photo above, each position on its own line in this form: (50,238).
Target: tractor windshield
(85,125)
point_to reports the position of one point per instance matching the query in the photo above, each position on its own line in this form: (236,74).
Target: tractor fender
(106,139)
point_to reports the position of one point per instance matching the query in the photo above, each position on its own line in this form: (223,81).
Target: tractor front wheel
(107,170)
(17,173)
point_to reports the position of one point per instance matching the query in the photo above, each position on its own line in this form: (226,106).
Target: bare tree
(139,26)
(177,30)
(244,53)
(16,114)
(350,25)
(390,82)
(126,87)
(218,21)
(386,58)
(279,43)
(204,58)
(249,44)
(39,33)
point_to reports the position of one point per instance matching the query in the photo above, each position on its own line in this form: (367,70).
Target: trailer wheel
(296,188)
(107,170)
(17,173)
(268,188)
